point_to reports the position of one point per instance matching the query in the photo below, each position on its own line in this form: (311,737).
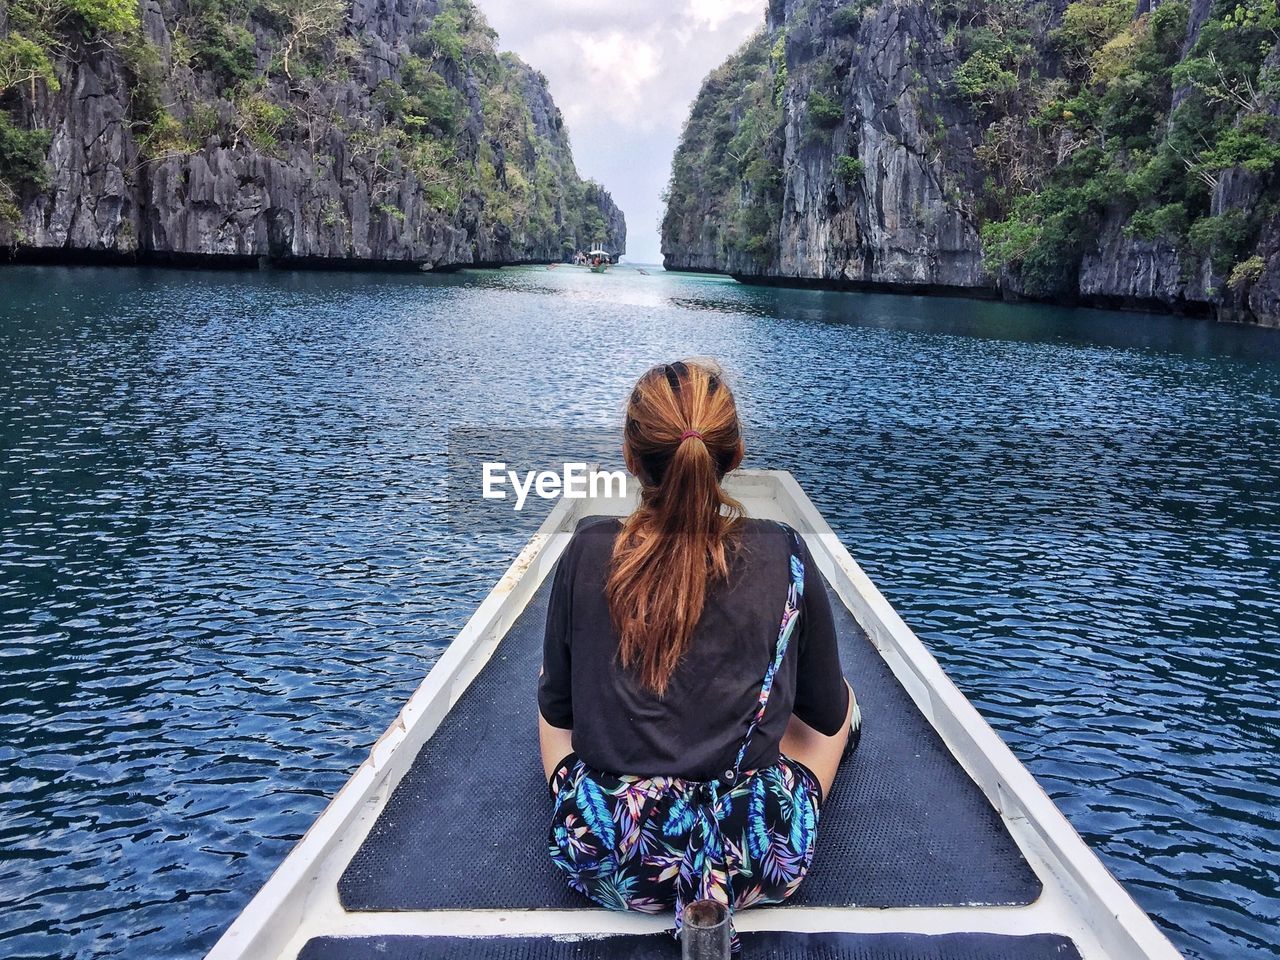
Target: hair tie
(691,433)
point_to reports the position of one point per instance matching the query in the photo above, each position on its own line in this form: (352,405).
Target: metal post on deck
(704,931)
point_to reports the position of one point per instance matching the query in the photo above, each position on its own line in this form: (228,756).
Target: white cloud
(624,75)
(614,72)
(715,13)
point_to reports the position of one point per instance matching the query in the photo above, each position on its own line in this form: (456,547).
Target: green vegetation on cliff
(35,37)
(1132,123)
(444,112)
(1123,150)
(730,154)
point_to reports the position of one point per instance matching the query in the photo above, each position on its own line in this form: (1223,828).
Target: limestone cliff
(376,132)
(1093,150)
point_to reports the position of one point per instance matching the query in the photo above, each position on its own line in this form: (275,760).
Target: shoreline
(1184,308)
(229,262)
(66,257)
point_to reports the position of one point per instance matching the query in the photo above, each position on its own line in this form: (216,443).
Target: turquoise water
(228,552)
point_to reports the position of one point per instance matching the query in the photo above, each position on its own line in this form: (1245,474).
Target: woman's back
(694,729)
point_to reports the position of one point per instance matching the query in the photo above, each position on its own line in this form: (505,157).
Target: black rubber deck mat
(466,827)
(755,946)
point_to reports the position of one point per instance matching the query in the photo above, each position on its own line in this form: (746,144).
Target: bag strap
(790,614)
(703,870)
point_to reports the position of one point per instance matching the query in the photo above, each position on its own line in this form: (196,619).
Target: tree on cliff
(306,24)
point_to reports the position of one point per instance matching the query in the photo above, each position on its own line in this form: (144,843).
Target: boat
(599,260)
(936,842)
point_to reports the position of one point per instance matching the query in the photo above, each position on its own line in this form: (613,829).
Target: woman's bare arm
(819,753)
(556,743)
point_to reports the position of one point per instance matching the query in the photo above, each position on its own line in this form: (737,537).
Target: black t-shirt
(696,729)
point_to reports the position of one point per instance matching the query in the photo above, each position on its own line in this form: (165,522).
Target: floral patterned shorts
(656,843)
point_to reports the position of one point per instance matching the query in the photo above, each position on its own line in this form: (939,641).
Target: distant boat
(599,260)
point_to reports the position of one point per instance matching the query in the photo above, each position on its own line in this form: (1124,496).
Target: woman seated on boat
(693,709)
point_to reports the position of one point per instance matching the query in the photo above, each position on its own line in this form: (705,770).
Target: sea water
(229,550)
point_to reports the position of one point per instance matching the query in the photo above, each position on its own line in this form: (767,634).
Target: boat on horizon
(936,842)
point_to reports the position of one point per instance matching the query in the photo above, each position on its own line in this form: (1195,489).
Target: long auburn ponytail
(682,436)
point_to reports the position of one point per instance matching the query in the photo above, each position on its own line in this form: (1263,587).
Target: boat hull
(401,851)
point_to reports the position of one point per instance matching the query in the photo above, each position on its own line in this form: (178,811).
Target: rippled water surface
(226,555)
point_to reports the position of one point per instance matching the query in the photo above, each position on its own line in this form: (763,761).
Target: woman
(693,710)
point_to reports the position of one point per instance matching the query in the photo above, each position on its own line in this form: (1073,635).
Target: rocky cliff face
(382,132)
(1090,150)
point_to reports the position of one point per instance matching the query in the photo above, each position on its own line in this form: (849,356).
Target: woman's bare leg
(819,753)
(556,744)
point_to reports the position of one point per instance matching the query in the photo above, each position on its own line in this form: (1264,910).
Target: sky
(624,74)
